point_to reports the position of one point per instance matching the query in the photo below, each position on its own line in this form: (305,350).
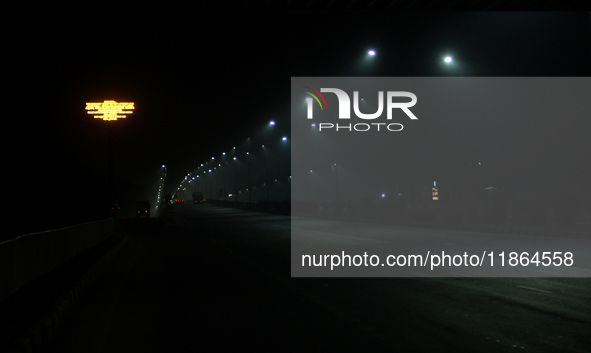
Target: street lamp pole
(109,111)
(336,180)
(249,180)
(110,165)
(266,161)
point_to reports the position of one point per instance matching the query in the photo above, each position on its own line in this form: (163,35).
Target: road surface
(219,279)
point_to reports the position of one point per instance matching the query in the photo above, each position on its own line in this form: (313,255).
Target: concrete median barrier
(29,256)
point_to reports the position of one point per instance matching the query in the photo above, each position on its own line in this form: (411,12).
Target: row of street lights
(161,186)
(235,169)
(335,182)
(447,59)
(242,173)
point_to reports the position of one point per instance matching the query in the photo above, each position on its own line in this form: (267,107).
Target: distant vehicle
(115,210)
(197,197)
(179,197)
(142,208)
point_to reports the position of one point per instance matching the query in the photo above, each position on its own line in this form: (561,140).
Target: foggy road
(220,277)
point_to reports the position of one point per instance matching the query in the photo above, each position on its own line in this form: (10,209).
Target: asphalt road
(219,279)
(333,248)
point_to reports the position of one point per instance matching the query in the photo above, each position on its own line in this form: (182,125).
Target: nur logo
(314,94)
(345,108)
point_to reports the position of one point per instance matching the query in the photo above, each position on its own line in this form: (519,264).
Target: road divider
(29,256)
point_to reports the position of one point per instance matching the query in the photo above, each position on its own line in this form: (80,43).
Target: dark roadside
(22,315)
(173,289)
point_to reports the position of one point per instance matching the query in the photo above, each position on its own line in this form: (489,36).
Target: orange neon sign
(110,110)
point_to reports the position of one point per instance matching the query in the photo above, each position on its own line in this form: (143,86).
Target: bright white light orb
(448,59)
(371,53)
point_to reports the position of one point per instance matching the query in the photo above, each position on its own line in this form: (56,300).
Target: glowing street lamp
(448,59)
(367,62)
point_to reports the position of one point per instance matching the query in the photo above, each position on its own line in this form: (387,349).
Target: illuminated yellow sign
(435,191)
(110,110)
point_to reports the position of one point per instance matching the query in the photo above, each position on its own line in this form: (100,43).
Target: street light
(371,52)
(449,65)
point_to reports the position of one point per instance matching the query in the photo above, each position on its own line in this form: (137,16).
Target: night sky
(205,82)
